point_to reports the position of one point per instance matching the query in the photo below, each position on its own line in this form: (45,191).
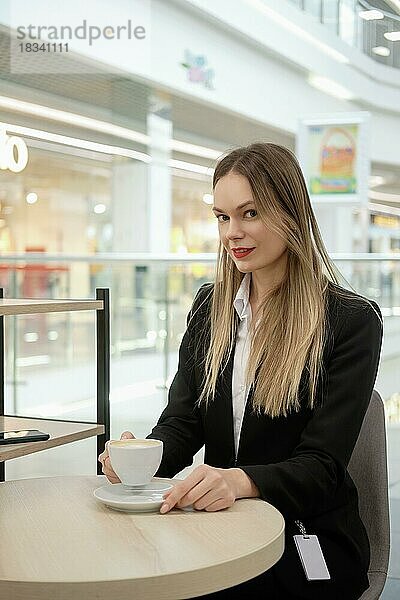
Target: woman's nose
(234,230)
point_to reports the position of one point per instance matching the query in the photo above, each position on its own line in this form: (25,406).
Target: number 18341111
(43,47)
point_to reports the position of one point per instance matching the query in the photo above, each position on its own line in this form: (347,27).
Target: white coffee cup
(135,461)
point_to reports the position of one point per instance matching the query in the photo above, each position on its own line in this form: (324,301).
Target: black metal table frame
(102,374)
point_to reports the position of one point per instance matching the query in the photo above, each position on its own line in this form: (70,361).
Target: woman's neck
(258,290)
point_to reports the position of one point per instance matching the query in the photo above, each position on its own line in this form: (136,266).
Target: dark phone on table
(22,435)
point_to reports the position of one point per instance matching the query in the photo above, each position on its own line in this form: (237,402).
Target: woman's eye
(222,218)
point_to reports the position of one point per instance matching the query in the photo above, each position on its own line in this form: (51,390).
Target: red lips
(241,254)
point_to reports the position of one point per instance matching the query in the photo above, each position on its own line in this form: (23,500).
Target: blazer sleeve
(180,426)
(303,485)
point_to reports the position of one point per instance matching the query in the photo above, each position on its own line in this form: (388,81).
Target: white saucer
(148,488)
(116,496)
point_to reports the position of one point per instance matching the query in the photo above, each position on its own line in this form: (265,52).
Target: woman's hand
(105,459)
(211,489)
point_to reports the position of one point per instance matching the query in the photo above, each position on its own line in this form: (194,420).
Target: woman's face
(242,227)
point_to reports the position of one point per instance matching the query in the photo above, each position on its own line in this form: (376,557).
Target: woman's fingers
(104,459)
(208,499)
(217,505)
(111,476)
(206,488)
(181,489)
(127,435)
(102,456)
(109,471)
(189,491)
(196,494)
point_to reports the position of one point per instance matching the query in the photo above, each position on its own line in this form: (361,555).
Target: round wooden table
(58,541)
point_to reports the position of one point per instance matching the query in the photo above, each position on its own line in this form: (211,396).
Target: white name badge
(311,557)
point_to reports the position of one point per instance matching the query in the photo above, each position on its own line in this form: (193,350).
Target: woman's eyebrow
(238,207)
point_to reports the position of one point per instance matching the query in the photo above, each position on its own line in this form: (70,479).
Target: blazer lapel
(249,424)
(219,419)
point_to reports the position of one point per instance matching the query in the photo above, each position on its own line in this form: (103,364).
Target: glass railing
(50,358)
(342,17)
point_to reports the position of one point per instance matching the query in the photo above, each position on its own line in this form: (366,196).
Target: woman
(276,369)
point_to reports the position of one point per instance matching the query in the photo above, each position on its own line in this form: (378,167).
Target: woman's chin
(244,268)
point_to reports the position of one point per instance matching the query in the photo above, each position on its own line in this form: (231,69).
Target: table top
(61,432)
(58,541)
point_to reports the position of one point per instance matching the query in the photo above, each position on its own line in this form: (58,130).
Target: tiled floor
(394,561)
(392,589)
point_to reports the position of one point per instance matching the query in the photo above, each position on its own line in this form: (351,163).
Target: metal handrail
(168,257)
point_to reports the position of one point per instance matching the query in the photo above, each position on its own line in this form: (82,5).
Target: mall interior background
(117,189)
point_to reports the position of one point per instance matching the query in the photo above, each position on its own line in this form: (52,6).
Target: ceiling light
(195,150)
(31,198)
(62,116)
(330,87)
(91,231)
(371,15)
(76,142)
(383,196)
(99,209)
(381,50)
(185,166)
(77,120)
(375,180)
(103,148)
(31,336)
(389,210)
(393,36)
(208,198)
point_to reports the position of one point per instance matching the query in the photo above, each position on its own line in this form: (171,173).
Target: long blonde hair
(289,338)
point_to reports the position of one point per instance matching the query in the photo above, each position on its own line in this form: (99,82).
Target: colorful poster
(332,159)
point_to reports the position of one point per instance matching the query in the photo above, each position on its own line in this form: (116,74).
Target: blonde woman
(276,369)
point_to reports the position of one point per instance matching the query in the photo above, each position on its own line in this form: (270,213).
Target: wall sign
(13,153)
(197,70)
(333,151)
(332,159)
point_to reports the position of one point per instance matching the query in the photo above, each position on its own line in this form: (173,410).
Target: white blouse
(242,349)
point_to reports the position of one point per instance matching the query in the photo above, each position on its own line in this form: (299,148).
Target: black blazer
(298,462)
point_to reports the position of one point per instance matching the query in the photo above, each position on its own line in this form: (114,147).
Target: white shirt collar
(241,301)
